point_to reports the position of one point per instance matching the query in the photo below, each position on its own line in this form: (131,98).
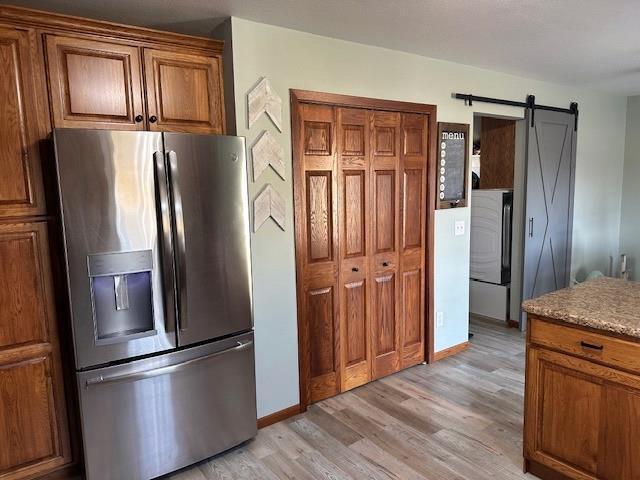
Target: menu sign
(453,139)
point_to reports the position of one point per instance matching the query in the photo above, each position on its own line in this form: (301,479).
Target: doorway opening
(498,165)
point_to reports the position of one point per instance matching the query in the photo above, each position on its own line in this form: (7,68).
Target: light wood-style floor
(460,418)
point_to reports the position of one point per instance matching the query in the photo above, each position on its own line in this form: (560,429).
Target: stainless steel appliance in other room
(490,271)
(156,233)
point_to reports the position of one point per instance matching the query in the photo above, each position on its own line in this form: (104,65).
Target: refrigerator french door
(156,237)
(491,218)
(212,244)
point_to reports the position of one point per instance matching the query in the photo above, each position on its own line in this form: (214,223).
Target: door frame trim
(299,97)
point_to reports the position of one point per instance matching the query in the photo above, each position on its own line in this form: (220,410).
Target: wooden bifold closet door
(360,205)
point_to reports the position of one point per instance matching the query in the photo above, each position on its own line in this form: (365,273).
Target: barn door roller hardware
(529,104)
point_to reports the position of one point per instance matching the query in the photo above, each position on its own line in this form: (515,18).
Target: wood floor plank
(384,460)
(337,452)
(286,469)
(332,425)
(457,419)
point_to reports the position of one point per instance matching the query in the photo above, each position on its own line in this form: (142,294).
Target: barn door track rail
(529,104)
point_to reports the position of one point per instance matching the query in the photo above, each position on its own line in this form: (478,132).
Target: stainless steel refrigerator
(490,258)
(156,237)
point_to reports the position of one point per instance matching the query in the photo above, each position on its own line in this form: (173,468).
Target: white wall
(630,224)
(517,229)
(293,59)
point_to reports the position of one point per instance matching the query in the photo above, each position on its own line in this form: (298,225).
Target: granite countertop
(608,304)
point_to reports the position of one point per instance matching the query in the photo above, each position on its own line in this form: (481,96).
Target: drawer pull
(355,269)
(385,264)
(593,346)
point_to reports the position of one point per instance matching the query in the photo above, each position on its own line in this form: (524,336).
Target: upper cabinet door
(94,84)
(21,191)
(184,92)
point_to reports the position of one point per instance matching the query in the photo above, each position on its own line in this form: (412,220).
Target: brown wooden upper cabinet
(184,92)
(20,178)
(94,84)
(99,84)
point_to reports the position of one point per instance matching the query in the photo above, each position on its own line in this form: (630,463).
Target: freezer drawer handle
(132,377)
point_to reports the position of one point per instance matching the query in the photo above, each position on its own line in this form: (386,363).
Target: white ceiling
(593,43)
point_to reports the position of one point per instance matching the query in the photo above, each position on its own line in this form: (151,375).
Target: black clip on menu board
(453,164)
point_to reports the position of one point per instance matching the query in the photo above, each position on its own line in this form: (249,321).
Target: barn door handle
(531,227)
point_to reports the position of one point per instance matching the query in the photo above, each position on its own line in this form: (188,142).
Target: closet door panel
(385,330)
(353,198)
(354,213)
(319,238)
(412,302)
(384,212)
(386,300)
(413,165)
(355,309)
(322,331)
(317,250)
(413,208)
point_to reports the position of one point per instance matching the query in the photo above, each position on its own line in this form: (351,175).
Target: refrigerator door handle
(180,240)
(135,376)
(506,236)
(168,269)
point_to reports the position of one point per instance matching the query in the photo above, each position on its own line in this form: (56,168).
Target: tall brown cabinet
(60,71)
(363,208)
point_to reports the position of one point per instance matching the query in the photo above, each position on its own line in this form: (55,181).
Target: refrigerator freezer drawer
(489,300)
(153,416)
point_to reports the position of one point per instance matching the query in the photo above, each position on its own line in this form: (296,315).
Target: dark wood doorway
(364,201)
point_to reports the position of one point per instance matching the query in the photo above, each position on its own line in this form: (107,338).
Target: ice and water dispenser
(121,295)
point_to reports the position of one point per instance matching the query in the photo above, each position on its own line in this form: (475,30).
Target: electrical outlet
(440,319)
(459,228)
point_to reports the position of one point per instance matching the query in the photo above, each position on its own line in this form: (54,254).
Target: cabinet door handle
(385,264)
(153,119)
(591,345)
(138,118)
(355,269)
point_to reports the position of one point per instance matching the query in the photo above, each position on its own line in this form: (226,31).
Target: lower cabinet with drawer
(582,410)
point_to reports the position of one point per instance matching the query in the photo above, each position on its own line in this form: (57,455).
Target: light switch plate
(459,228)
(440,319)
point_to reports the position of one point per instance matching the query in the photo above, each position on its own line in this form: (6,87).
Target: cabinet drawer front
(609,350)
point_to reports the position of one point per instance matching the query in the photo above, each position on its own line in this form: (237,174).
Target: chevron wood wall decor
(267,152)
(267,204)
(263,99)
